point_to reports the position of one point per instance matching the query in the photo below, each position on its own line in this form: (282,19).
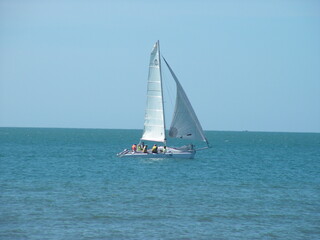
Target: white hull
(171,153)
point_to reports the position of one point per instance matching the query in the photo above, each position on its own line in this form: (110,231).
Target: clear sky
(245,65)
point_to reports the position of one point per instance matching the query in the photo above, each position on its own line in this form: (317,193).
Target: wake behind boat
(184,125)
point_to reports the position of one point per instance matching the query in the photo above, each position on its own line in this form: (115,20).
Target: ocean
(69,184)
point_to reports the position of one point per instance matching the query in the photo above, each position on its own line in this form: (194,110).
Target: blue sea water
(69,184)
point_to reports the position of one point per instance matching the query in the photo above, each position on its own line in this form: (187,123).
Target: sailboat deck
(171,153)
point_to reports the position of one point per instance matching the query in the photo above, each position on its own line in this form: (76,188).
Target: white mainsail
(154,122)
(185,123)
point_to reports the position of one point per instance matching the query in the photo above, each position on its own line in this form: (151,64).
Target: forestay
(154,122)
(185,123)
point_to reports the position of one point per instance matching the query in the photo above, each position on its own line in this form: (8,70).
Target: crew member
(155,149)
(145,149)
(134,147)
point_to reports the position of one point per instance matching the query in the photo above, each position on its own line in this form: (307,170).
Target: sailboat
(184,125)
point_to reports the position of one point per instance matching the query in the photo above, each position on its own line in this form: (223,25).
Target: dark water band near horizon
(69,184)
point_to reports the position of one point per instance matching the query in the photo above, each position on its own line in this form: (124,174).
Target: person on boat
(134,147)
(164,149)
(155,149)
(145,149)
(139,148)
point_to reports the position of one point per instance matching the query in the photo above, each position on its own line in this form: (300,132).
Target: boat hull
(169,154)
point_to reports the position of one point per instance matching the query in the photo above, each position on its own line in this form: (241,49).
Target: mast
(164,119)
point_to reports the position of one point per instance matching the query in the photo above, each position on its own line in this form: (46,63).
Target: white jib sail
(185,123)
(154,123)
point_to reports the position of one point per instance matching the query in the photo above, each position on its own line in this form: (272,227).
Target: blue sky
(245,65)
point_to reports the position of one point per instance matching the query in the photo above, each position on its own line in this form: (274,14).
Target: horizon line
(140,129)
